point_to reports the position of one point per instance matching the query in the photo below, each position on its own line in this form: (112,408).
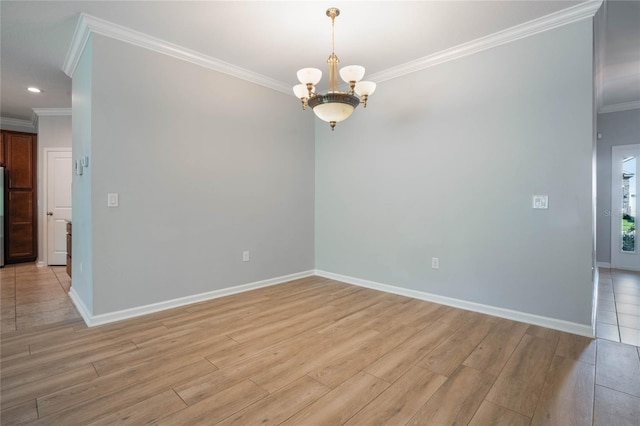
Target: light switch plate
(112,199)
(540,202)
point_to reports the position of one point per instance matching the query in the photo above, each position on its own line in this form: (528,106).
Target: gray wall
(81,215)
(444,162)
(53,132)
(206,166)
(616,128)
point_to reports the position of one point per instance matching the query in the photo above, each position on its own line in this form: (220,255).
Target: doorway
(625,171)
(58,176)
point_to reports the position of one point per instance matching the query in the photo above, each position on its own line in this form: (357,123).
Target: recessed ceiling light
(34,90)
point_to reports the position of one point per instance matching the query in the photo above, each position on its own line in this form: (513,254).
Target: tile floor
(618,315)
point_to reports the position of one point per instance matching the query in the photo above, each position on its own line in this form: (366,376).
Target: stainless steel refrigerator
(1,216)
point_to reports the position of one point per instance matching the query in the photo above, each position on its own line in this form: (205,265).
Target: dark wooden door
(21,241)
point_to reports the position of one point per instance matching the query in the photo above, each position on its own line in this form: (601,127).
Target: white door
(625,171)
(59,174)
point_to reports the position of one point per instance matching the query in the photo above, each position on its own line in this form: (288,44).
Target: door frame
(45,202)
(615,203)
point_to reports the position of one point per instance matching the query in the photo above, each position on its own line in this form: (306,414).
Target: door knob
(49,213)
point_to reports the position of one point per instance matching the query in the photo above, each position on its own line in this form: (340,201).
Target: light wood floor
(307,352)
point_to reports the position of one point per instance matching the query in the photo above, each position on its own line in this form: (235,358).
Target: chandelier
(333,106)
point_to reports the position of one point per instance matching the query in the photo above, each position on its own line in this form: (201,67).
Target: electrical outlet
(245,256)
(435,263)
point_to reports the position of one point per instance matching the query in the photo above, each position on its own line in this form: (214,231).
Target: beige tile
(607,317)
(626,308)
(629,321)
(606,305)
(607,331)
(618,367)
(626,298)
(615,408)
(630,336)
(567,395)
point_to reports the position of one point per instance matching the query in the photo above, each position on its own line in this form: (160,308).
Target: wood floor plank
(615,408)
(94,409)
(232,374)
(567,395)
(448,355)
(399,403)
(218,406)
(52,383)
(322,353)
(519,384)
(342,368)
(494,351)
(340,404)
(47,366)
(305,350)
(457,400)
(618,367)
(279,406)
(144,412)
(399,360)
(577,347)
(132,358)
(122,378)
(19,414)
(494,415)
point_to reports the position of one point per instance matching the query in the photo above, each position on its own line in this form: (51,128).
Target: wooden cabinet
(19,155)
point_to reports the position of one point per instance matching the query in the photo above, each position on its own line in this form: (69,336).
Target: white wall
(82,233)
(616,128)
(53,132)
(206,167)
(444,162)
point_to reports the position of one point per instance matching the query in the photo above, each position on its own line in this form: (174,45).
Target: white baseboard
(556,324)
(606,265)
(80,306)
(40,264)
(94,320)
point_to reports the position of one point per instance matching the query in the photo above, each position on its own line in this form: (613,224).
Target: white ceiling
(275,39)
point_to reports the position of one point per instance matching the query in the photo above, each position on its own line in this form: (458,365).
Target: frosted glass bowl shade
(352,73)
(300,90)
(333,106)
(365,88)
(309,75)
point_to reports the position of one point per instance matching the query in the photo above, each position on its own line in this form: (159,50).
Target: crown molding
(88,25)
(600,34)
(41,112)
(625,106)
(544,23)
(16,123)
(50,112)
